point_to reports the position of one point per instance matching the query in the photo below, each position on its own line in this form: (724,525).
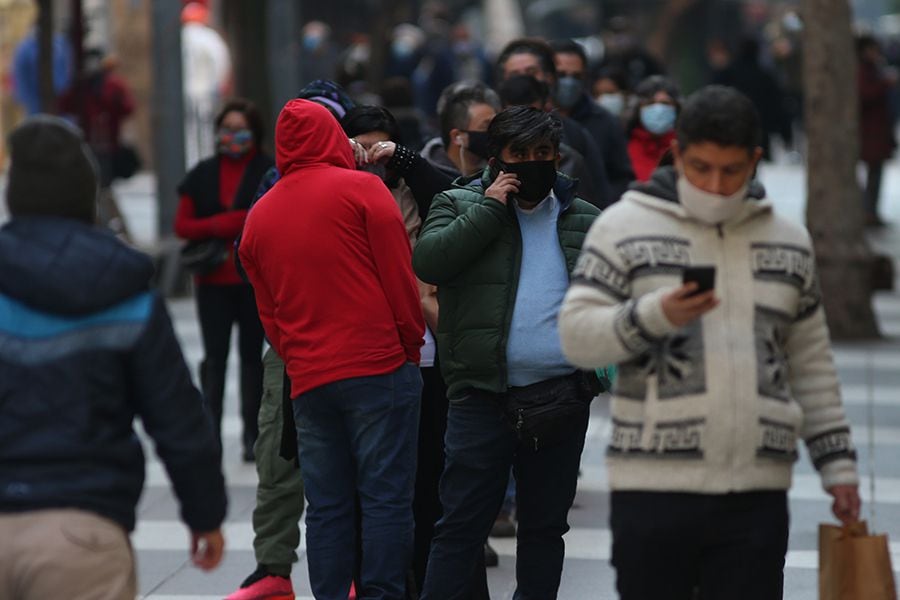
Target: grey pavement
(870,374)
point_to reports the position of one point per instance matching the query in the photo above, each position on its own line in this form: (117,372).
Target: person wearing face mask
(574,101)
(651,127)
(609,87)
(215,197)
(715,387)
(464,111)
(500,248)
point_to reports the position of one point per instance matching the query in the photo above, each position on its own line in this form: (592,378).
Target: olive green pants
(279,495)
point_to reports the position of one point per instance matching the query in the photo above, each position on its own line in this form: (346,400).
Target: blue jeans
(481,446)
(359,437)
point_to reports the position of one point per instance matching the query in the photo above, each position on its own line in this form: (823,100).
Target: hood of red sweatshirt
(307,135)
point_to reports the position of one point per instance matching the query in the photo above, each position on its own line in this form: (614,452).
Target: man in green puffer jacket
(500,249)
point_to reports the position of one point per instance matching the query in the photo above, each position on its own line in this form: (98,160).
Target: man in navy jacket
(85,347)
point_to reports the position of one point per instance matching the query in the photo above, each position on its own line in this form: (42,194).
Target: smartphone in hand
(703,276)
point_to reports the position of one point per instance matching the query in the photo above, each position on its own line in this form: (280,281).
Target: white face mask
(614,103)
(708,208)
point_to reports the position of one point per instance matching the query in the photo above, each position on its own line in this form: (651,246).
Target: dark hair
(534,46)
(456,100)
(523,90)
(654,84)
(571,47)
(614,73)
(397,92)
(646,90)
(366,119)
(864,42)
(250,112)
(523,127)
(721,115)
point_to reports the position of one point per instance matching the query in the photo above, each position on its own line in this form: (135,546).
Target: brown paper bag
(854,565)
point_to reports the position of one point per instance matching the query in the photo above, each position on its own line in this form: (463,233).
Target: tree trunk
(45,56)
(834,210)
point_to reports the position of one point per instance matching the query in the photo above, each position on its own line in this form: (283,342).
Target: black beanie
(52,171)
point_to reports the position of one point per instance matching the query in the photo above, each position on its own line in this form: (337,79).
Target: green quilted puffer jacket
(470,248)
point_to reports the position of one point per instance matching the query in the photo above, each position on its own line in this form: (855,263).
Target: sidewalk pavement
(869,371)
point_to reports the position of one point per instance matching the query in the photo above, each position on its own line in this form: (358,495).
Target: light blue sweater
(533,351)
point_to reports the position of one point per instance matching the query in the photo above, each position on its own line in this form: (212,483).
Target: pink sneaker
(269,587)
(352,595)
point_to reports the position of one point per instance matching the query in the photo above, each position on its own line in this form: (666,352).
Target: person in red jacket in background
(100,101)
(651,128)
(328,256)
(875,80)
(215,197)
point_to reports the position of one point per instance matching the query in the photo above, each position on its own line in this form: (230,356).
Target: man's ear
(558,159)
(456,136)
(757,156)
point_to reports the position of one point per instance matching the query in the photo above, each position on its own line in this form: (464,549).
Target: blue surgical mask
(311,42)
(403,49)
(658,118)
(614,103)
(568,92)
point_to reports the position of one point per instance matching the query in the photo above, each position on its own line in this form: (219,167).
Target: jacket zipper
(731,370)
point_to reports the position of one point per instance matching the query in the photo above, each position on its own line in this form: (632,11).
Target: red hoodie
(330,263)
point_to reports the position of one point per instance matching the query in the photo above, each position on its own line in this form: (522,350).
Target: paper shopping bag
(854,565)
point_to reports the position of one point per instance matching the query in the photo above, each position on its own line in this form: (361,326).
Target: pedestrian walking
(85,348)
(215,197)
(100,101)
(876,125)
(719,377)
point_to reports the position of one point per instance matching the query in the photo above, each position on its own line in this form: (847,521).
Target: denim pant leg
(382,416)
(480,446)
(546,482)
(329,477)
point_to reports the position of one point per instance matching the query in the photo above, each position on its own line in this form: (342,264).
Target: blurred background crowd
(397,53)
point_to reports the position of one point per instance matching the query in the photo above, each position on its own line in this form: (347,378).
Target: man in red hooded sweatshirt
(330,263)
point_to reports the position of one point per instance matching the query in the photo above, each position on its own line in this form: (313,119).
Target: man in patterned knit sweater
(715,388)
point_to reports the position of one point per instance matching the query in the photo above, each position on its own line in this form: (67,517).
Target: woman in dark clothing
(215,197)
(876,126)
(651,128)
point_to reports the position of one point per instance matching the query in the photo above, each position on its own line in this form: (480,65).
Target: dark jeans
(481,446)
(872,192)
(219,307)
(359,437)
(729,546)
(427,501)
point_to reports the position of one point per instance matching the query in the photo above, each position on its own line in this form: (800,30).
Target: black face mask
(478,144)
(536,178)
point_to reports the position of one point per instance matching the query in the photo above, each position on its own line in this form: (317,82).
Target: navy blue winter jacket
(85,347)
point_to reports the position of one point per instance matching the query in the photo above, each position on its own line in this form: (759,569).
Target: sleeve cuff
(651,319)
(839,472)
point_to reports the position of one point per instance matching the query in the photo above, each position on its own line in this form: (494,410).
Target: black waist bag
(547,412)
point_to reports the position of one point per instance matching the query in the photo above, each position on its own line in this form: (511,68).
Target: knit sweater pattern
(718,405)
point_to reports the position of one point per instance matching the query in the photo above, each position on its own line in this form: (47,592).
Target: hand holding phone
(693,299)
(703,276)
